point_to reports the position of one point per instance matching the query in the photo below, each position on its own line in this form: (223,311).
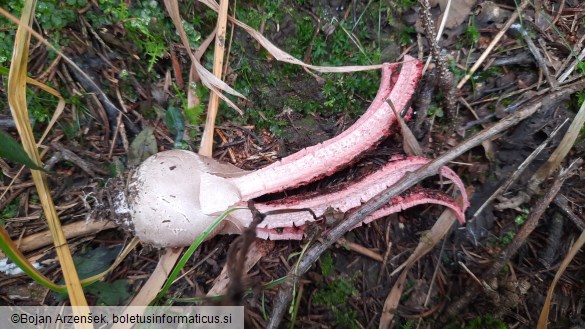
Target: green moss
(335,296)
(326,263)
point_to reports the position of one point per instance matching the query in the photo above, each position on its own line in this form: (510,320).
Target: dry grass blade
(18,106)
(392,301)
(430,239)
(56,115)
(561,151)
(283,56)
(58,110)
(207,78)
(206,146)
(543,319)
(192,98)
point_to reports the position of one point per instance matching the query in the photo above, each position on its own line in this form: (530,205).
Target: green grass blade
(175,273)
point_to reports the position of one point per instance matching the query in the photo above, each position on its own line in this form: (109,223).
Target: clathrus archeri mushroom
(175,195)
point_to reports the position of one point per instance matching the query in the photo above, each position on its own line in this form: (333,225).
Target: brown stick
(562,202)
(72,230)
(409,180)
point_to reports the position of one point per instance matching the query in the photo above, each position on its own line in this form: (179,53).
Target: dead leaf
(410,144)
(489,150)
(143,146)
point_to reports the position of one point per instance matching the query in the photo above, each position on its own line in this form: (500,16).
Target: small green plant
(436,112)
(270,91)
(580,97)
(52,16)
(9,211)
(193,114)
(507,238)
(471,32)
(144,22)
(407,35)
(486,322)
(498,243)
(409,324)
(521,218)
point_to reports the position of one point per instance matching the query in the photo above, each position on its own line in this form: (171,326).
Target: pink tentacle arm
(347,197)
(175,195)
(397,204)
(328,157)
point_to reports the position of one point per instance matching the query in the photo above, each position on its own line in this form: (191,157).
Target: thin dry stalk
(518,30)
(572,67)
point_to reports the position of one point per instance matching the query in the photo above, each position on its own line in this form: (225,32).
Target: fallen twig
(360,249)
(79,228)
